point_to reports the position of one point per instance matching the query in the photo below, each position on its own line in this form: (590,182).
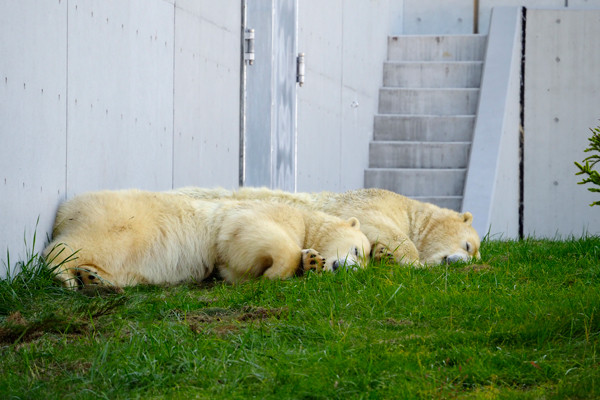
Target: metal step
(417,182)
(437,48)
(424,127)
(414,74)
(428,101)
(394,154)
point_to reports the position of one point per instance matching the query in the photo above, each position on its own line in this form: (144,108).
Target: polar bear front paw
(382,253)
(311,259)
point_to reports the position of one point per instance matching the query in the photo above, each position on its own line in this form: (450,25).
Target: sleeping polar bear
(409,231)
(128,237)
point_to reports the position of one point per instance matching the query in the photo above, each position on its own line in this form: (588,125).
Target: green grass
(522,323)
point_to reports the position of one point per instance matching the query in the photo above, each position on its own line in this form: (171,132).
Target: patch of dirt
(17,329)
(397,322)
(222,321)
(16,319)
(100,290)
(260,313)
(476,268)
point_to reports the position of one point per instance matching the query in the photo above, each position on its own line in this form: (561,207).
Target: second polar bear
(407,230)
(129,237)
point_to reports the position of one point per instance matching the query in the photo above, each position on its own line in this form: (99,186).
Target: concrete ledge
(492,182)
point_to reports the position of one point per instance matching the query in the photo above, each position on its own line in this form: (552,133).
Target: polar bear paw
(382,253)
(311,259)
(84,277)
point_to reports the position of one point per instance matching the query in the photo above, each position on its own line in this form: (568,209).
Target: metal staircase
(427,105)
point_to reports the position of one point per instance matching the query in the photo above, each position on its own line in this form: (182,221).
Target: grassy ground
(522,323)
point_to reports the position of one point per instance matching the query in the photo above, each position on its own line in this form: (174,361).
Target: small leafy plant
(587,168)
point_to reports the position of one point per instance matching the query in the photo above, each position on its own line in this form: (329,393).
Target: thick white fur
(411,231)
(129,237)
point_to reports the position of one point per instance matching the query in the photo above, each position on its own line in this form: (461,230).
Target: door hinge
(249,46)
(300,68)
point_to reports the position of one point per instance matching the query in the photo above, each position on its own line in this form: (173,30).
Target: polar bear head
(343,245)
(448,238)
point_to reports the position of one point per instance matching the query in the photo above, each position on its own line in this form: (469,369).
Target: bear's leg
(287,258)
(75,268)
(401,251)
(380,252)
(92,275)
(387,242)
(284,265)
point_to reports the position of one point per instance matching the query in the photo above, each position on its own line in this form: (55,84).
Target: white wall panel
(319,100)
(485,8)
(120,104)
(438,16)
(345,45)
(364,49)
(491,191)
(583,4)
(32,120)
(562,92)
(207,90)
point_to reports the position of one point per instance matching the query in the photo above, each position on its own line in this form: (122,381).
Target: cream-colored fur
(129,237)
(411,231)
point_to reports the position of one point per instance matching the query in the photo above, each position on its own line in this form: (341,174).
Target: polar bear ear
(468,217)
(354,222)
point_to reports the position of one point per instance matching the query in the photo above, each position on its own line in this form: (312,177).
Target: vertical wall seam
(66,187)
(522,123)
(341,124)
(273,110)
(296,88)
(173,133)
(242,123)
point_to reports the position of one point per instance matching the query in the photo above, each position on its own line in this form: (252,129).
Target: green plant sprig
(589,162)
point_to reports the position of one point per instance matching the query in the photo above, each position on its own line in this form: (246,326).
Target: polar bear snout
(456,257)
(349,262)
(335,265)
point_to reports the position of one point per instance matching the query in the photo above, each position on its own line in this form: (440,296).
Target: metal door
(268,94)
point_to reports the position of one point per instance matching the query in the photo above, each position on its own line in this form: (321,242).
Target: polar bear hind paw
(85,277)
(312,260)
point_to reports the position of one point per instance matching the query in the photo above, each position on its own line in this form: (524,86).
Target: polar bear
(129,237)
(407,230)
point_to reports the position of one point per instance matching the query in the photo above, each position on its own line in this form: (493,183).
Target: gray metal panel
(120,105)
(33,91)
(283,131)
(259,98)
(270,130)
(561,104)
(206,99)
